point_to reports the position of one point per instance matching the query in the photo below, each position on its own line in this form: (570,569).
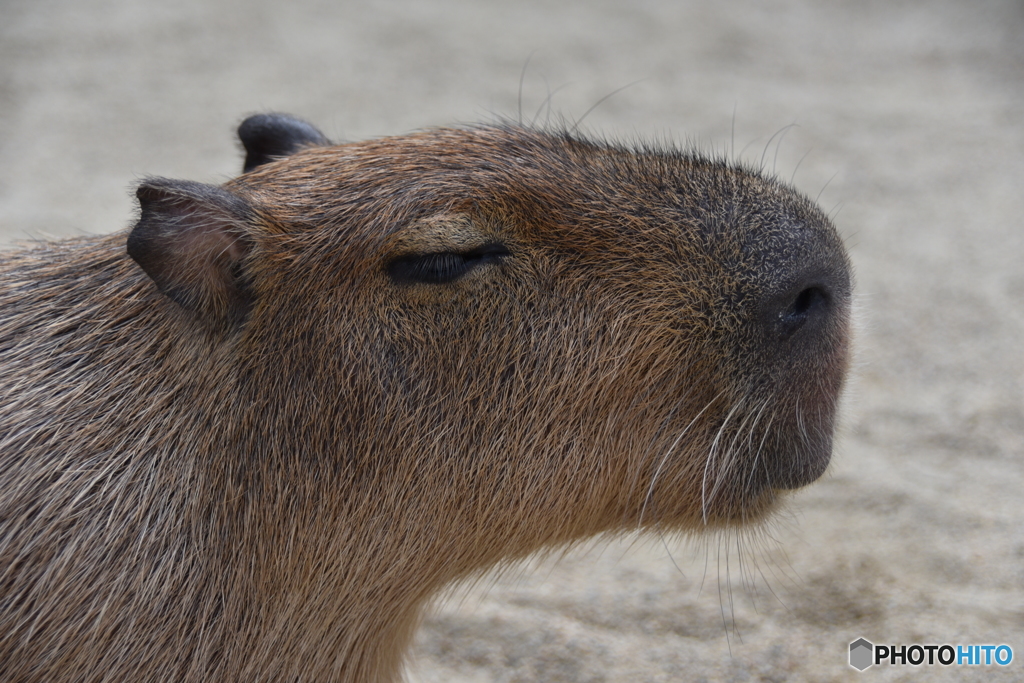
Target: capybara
(250,438)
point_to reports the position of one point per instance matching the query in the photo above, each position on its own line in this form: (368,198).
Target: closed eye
(444,266)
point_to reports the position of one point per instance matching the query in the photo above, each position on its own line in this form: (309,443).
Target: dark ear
(191,241)
(271,136)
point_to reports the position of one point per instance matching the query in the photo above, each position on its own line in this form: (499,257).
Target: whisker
(783,131)
(797,167)
(801,426)
(668,551)
(731,454)
(746,576)
(768,584)
(732,134)
(760,447)
(825,186)
(664,458)
(704,500)
(594,106)
(660,431)
(728,588)
(522,77)
(546,102)
(721,603)
(707,554)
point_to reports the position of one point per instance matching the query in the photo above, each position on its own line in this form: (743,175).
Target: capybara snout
(251,438)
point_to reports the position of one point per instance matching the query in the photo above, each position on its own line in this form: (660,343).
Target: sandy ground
(912,114)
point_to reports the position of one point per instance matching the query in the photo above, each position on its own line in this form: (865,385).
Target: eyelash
(443,267)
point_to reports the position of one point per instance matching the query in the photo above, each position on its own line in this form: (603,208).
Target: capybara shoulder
(250,438)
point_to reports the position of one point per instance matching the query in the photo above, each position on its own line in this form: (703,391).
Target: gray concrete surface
(912,115)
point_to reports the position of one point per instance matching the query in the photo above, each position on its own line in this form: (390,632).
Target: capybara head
(415,357)
(538,320)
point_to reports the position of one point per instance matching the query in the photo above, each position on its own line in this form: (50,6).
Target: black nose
(806,331)
(802,306)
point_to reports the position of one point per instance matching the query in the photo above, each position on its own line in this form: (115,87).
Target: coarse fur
(254,446)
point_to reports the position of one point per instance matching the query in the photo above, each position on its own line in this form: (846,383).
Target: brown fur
(258,458)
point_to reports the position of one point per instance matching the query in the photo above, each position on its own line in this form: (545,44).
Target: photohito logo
(863,654)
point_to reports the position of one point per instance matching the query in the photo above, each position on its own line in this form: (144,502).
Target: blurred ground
(912,115)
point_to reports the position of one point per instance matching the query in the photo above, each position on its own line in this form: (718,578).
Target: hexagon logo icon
(861,654)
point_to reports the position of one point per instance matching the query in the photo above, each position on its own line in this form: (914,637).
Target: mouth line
(770,475)
(800,464)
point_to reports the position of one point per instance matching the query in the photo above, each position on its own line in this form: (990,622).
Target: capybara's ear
(271,136)
(191,240)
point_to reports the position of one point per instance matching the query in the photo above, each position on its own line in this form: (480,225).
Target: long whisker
(764,435)
(522,77)
(664,458)
(721,602)
(576,125)
(711,456)
(680,404)
(801,428)
(731,453)
(767,583)
(757,455)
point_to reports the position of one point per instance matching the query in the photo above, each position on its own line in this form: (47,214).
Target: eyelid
(443,267)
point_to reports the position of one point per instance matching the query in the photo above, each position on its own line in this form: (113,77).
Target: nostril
(808,300)
(809,303)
